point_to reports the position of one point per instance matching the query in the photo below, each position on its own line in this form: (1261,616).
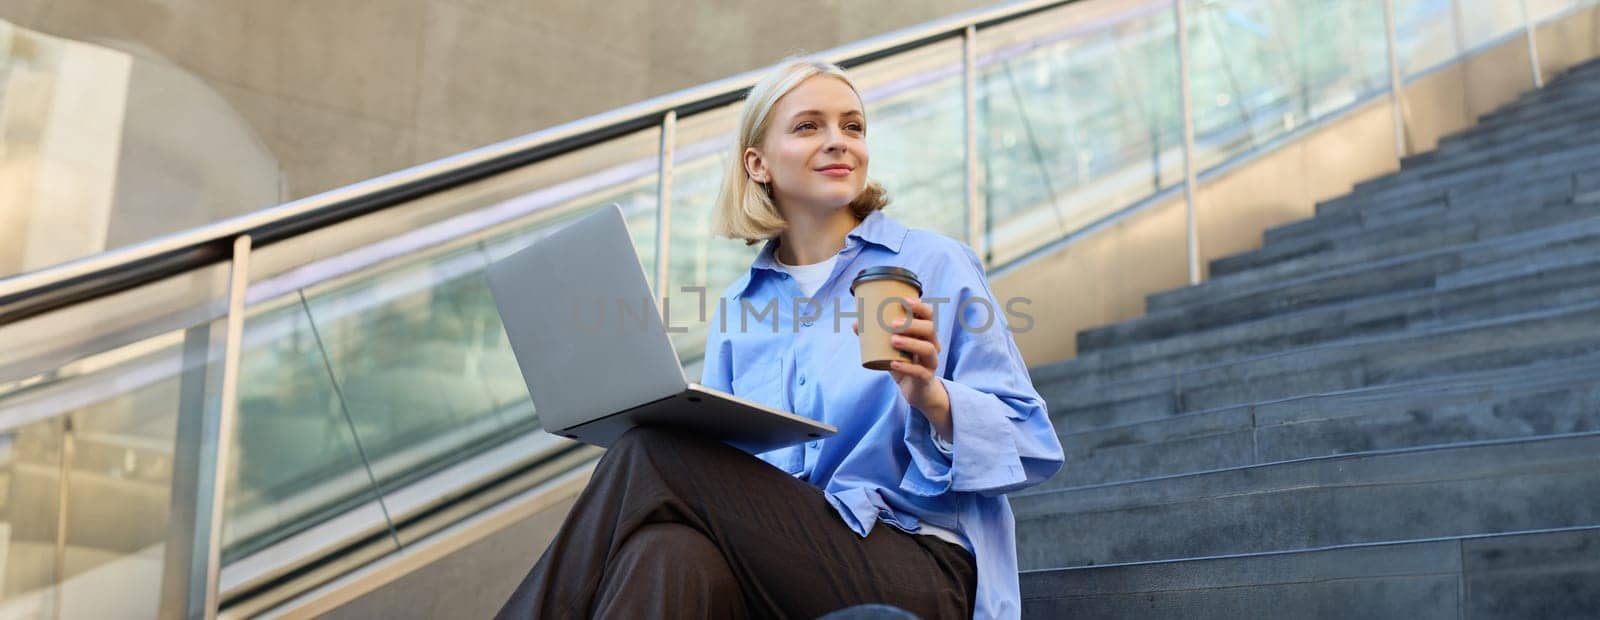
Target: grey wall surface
(345,90)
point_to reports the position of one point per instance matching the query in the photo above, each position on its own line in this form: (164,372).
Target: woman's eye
(854,127)
(804,126)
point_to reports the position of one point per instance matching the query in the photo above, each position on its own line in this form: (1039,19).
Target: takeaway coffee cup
(883,295)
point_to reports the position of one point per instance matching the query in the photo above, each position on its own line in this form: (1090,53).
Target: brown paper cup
(892,290)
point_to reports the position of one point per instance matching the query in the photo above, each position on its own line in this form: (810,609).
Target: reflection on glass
(1079,122)
(293,452)
(1074,123)
(30,508)
(420,358)
(915,129)
(397,370)
(1265,67)
(87,455)
(1426,31)
(1482,21)
(1539,10)
(698,259)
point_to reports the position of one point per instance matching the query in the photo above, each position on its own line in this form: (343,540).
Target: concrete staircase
(1390,410)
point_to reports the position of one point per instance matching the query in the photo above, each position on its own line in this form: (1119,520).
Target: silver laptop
(595,354)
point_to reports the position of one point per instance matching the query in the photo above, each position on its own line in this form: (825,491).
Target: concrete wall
(1104,278)
(345,90)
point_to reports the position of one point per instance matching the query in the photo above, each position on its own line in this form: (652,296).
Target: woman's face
(814,153)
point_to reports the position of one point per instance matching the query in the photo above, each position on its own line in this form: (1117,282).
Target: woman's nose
(835,143)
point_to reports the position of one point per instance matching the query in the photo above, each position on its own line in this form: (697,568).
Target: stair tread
(1372,360)
(1538,399)
(1539,573)
(1448,490)
(1346,290)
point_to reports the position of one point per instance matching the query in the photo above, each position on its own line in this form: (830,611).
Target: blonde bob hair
(744,208)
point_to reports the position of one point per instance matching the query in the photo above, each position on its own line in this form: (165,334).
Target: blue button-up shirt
(883,465)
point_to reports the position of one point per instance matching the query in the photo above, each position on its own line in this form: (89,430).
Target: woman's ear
(755,166)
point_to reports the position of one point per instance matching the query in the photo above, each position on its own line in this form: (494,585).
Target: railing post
(1458,30)
(969,90)
(1188,142)
(188,510)
(1533,44)
(227,411)
(63,512)
(1396,92)
(669,132)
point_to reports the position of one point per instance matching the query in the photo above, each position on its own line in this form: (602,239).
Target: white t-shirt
(810,278)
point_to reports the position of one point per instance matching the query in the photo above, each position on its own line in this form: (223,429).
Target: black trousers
(672,526)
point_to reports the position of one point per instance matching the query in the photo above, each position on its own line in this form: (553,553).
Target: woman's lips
(835,172)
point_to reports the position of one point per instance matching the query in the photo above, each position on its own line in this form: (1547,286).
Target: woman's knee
(643,437)
(673,558)
(658,441)
(642,452)
(670,544)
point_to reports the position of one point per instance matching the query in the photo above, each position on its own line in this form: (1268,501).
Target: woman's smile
(836,170)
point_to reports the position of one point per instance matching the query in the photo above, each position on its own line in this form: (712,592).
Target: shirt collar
(876,228)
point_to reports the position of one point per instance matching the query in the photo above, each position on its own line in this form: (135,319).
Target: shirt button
(802,379)
(813,445)
(808,323)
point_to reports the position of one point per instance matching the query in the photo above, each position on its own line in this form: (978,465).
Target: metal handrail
(38,292)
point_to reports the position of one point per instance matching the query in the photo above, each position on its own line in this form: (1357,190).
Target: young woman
(905,505)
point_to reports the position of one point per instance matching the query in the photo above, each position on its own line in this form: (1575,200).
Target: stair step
(1539,399)
(1586,187)
(1529,103)
(1438,233)
(1550,279)
(1565,148)
(1546,125)
(1300,258)
(1456,490)
(1540,574)
(1436,223)
(1551,248)
(1579,72)
(1531,193)
(1097,399)
(1531,107)
(1580,157)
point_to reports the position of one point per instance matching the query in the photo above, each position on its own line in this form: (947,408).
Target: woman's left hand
(917,378)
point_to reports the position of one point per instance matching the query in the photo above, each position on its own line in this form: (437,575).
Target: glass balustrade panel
(99,440)
(1427,34)
(388,360)
(1079,118)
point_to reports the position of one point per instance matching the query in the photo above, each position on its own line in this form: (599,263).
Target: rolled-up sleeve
(1003,439)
